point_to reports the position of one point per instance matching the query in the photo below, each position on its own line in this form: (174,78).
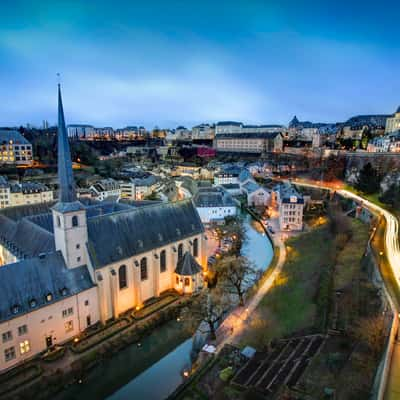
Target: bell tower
(69,214)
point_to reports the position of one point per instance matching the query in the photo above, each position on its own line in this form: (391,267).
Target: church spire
(65,175)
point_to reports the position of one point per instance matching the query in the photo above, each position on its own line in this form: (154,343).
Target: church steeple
(65,175)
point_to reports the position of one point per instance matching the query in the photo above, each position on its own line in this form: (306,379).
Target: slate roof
(213,197)
(15,136)
(187,265)
(251,187)
(122,235)
(245,175)
(35,278)
(227,123)
(25,238)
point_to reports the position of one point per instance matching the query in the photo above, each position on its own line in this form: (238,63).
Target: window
(187,281)
(180,251)
(22,330)
(9,354)
(24,347)
(163,261)
(74,220)
(67,312)
(86,302)
(143,269)
(49,297)
(196,247)
(88,320)
(78,259)
(122,277)
(177,280)
(7,336)
(69,326)
(78,246)
(58,221)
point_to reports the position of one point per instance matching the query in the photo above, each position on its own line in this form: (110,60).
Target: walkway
(233,325)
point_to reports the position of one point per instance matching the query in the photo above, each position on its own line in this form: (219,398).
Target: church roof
(118,236)
(187,265)
(25,285)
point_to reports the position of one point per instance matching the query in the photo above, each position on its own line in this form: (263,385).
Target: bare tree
(207,311)
(237,275)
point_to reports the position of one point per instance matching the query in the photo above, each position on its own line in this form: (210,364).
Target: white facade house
(290,204)
(249,142)
(18,194)
(106,188)
(214,204)
(256,195)
(14,148)
(203,131)
(393,123)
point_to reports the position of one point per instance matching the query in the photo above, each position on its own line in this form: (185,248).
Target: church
(69,265)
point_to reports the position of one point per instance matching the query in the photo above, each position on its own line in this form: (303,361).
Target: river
(154,370)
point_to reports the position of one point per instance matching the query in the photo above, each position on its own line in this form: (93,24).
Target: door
(49,341)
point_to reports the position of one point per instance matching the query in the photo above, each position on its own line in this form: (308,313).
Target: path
(238,317)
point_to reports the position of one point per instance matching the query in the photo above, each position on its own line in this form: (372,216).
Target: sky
(166,63)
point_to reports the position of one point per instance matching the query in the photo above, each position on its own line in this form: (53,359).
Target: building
(228,175)
(18,194)
(182,133)
(105,188)
(14,148)
(138,188)
(257,196)
(380,144)
(81,131)
(232,127)
(290,204)
(214,204)
(249,142)
(393,122)
(203,132)
(70,266)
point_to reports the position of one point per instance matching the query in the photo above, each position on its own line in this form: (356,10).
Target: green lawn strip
(97,337)
(14,378)
(292,303)
(156,306)
(54,355)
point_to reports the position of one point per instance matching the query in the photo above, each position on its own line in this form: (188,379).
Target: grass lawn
(292,304)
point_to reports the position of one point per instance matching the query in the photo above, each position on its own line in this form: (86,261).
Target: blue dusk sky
(176,62)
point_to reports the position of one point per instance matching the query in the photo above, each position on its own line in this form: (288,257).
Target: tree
(207,311)
(237,275)
(368,180)
(391,196)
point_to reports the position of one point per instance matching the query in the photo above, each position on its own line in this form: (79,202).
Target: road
(392,251)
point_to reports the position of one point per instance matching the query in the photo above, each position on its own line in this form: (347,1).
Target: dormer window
(75,220)
(32,303)
(15,309)
(49,297)
(63,291)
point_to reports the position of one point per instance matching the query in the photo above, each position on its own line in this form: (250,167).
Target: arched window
(123,283)
(143,269)
(195,247)
(75,220)
(187,281)
(180,251)
(163,261)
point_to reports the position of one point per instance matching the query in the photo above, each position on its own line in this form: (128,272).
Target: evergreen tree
(368,180)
